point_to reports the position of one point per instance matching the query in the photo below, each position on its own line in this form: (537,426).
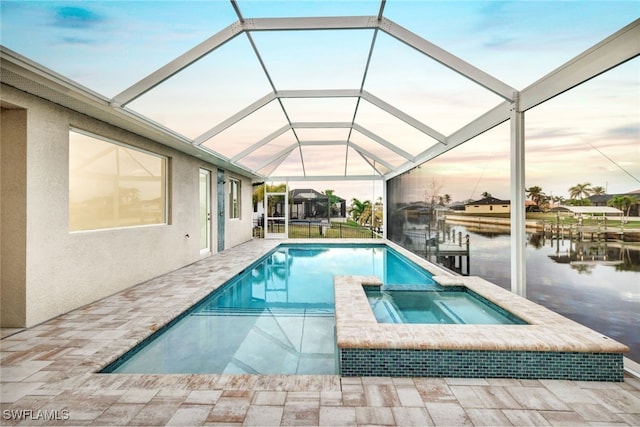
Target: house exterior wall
(65,270)
(487,208)
(13,205)
(239,230)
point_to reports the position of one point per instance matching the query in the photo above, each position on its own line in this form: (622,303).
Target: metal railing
(299,229)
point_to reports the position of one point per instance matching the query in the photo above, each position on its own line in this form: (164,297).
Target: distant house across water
(603,200)
(488,205)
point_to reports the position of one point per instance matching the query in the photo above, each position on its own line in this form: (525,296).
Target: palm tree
(445,200)
(580,191)
(378,213)
(258,194)
(623,203)
(333,199)
(598,191)
(535,194)
(258,191)
(360,211)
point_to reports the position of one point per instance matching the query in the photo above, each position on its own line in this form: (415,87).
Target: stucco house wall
(497,208)
(13,217)
(488,205)
(239,230)
(56,270)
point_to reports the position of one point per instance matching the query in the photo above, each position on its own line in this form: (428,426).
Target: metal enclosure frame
(616,49)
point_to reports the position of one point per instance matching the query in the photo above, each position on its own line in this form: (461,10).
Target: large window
(112,185)
(234,199)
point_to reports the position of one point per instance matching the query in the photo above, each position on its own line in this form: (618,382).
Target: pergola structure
(284,150)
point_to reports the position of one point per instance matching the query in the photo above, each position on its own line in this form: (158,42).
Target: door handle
(221,213)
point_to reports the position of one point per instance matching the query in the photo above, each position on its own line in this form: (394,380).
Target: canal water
(594,283)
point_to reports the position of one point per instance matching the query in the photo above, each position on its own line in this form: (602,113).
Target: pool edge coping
(357,327)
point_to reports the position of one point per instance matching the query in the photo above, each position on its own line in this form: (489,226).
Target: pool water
(277,317)
(437,306)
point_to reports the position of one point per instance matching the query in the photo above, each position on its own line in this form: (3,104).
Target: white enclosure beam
(620,47)
(281,154)
(404,117)
(311,23)
(487,121)
(363,152)
(345,93)
(384,209)
(369,162)
(391,28)
(518,234)
(178,64)
(252,108)
(260,143)
(275,164)
(320,125)
(447,59)
(318,93)
(228,33)
(366,132)
(492,118)
(320,143)
(326,178)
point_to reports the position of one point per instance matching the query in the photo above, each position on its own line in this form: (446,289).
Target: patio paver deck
(47,376)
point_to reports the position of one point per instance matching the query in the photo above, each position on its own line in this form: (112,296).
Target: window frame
(164,183)
(235,204)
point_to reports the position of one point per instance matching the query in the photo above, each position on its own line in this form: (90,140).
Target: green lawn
(570,219)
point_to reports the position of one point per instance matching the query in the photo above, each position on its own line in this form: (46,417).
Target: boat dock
(447,248)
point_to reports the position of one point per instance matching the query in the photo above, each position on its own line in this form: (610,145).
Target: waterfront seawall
(587,232)
(487,220)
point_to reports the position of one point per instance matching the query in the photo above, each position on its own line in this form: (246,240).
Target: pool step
(296,312)
(386,312)
(449,312)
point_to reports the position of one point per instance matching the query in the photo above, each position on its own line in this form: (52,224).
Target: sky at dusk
(589,134)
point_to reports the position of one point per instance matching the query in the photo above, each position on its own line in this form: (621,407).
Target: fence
(314,229)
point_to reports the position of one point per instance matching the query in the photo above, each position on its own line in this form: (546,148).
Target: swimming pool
(548,346)
(276,317)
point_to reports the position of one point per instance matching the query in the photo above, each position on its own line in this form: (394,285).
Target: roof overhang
(30,77)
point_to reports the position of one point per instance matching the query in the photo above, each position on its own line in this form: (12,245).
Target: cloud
(550,133)
(499,42)
(492,15)
(77,40)
(632,130)
(76,18)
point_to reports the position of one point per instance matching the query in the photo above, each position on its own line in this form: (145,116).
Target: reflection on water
(294,277)
(594,283)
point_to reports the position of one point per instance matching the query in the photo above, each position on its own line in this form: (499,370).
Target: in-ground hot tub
(438,305)
(548,346)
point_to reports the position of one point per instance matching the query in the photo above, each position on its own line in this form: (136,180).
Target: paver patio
(48,377)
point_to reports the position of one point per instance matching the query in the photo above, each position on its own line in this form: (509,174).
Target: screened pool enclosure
(290,92)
